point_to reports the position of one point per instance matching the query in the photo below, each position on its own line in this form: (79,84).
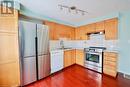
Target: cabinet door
(51,26)
(90,28)
(111,29)
(9,74)
(80,57)
(72,33)
(8,48)
(73,61)
(100,26)
(63,31)
(81,33)
(67,58)
(77,34)
(110,64)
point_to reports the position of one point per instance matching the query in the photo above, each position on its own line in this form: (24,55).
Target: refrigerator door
(43,66)
(27,34)
(43,39)
(43,51)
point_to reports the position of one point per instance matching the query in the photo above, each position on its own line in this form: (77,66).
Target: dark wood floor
(77,76)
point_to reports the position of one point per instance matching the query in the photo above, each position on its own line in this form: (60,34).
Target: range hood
(100,33)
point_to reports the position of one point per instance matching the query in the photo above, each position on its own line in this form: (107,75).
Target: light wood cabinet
(80,57)
(90,28)
(63,31)
(100,26)
(9,74)
(57,31)
(109,26)
(81,33)
(69,57)
(8,47)
(9,52)
(110,63)
(111,29)
(51,26)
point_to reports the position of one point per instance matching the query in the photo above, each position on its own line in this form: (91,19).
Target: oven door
(94,59)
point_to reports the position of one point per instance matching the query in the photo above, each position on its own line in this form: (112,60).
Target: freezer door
(43,66)
(27,34)
(43,39)
(29,70)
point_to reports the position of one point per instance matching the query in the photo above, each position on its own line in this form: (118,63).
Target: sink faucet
(62,44)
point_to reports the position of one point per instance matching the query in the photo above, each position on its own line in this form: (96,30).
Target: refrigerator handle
(36,48)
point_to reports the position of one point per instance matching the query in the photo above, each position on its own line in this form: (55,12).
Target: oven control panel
(92,50)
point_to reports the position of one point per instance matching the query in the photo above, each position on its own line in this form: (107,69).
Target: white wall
(95,40)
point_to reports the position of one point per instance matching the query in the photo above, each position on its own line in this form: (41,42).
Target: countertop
(115,51)
(66,49)
(59,49)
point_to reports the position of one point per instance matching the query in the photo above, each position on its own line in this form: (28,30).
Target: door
(27,34)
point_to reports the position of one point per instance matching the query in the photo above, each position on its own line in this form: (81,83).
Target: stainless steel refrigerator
(34,52)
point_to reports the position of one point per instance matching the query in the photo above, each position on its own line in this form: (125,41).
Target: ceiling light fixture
(73,8)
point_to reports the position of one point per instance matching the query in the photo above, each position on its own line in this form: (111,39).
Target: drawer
(111,54)
(110,63)
(109,67)
(110,72)
(108,58)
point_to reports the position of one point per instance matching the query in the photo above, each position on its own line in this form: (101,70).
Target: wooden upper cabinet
(62,31)
(10,22)
(90,28)
(111,29)
(57,31)
(100,26)
(81,33)
(51,26)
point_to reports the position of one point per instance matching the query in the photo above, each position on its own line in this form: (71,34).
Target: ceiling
(95,8)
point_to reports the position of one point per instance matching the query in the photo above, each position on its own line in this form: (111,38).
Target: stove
(94,58)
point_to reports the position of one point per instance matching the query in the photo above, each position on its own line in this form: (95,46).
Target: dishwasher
(56,60)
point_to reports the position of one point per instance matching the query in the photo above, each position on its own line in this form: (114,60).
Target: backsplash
(95,40)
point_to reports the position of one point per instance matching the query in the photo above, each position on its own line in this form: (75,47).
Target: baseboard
(127,76)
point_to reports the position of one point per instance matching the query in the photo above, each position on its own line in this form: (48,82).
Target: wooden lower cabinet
(80,57)
(69,57)
(110,63)
(9,74)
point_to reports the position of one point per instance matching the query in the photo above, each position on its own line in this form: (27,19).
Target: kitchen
(97,49)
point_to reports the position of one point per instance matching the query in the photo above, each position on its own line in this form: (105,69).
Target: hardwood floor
(77,76)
